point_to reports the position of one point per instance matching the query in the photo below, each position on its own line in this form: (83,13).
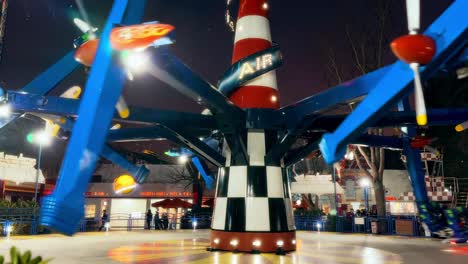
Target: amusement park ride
(253,202)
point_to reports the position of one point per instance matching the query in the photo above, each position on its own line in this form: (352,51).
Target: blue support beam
(278,150)
(379,141)
(34,103)
(299,154)
(96,110)
(207,178)
(172,71)
(140,173)
(171,118)
(24,102)
(436,117)
(341,94)
(46,81)
(450,31)
(418,182)
(301,115)
(369,140)
(178,137)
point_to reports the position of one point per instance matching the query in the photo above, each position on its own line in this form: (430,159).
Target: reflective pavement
(140,247)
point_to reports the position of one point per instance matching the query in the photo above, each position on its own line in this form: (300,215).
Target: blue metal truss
(180,137)
(25,102)
(172,71)
(207,178)
(46,81)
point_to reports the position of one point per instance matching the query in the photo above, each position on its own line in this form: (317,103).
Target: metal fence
(25,221)
(18,220)
(389,225)
(129,223)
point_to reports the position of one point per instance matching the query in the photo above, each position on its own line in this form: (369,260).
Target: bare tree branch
(358,162)
(366,157)
(355,52)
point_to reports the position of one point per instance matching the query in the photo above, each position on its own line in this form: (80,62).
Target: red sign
(139,36)
(93,194)
(166,194)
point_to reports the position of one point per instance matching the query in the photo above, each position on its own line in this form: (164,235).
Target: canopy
(172,203)
(209,202)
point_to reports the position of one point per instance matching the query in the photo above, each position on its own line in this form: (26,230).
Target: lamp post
(334,187)
(41,138)
(365,183)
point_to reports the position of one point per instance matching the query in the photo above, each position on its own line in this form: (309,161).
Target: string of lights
(3,24)
(229,20)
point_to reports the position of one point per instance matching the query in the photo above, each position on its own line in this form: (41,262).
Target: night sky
(40,32)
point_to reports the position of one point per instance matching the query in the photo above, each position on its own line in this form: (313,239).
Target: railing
(390,225)
(126,222)
(345,224)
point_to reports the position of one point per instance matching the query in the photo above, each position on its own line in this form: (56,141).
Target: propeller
(413,15)
(83,26)
(116,126)
(87,29)
(461,127)
(415,49)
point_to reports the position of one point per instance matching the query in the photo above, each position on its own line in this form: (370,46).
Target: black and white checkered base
(253,202)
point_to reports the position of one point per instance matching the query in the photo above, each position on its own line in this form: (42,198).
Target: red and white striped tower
(253,209)
(253,35)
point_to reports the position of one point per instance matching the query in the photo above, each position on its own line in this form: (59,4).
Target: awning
(172,203)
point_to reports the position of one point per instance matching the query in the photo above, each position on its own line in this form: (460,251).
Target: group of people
(160,223)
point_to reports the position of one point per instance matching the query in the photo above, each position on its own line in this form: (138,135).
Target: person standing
(149,218)
(104,219)
(174,221)
(165,221)
(157,221)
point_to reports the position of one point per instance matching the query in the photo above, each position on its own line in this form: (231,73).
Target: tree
(375,160)
(368,45)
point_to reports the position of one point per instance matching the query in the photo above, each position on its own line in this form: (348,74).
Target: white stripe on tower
(253,35)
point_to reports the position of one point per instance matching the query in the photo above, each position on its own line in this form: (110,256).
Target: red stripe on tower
(253,35)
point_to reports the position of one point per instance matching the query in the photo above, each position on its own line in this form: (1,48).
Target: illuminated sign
(261,63)
(138,36)
(166,194)
(250,68)
(141,194)
(94,194)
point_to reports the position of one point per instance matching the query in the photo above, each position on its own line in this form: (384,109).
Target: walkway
(140,247)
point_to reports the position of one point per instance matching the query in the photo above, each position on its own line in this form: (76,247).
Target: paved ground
(189,247)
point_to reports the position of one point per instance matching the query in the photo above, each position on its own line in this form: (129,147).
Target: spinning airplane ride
(253,210)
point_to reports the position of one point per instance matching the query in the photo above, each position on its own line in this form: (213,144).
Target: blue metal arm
(300,115)
(207,178)
(138,172)
(370,140)
(103,88)
(450,32)
(178,137)
(172,71)
(436,117)
(45,82)
(24,102)
(343,93)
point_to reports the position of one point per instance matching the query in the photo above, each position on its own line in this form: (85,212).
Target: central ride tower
(253,209)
